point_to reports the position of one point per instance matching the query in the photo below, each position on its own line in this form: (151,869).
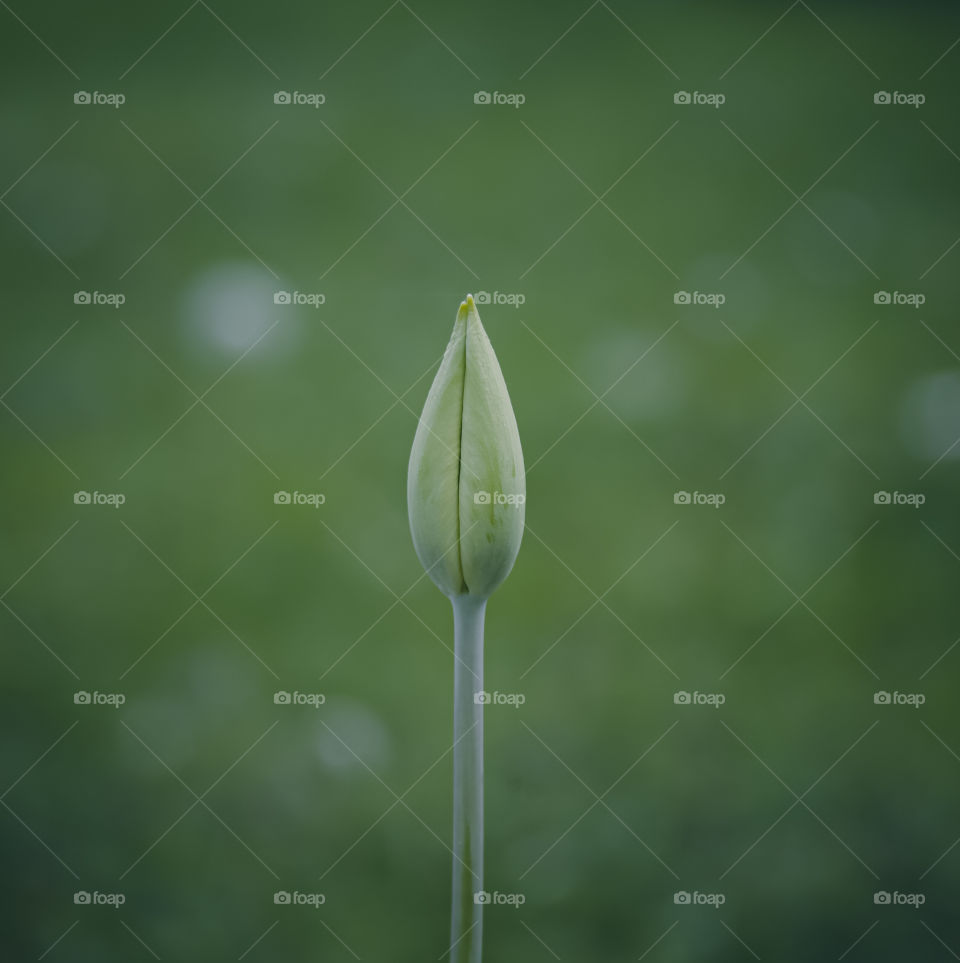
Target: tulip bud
(466,487)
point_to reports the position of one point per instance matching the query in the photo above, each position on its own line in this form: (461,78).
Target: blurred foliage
(597,200)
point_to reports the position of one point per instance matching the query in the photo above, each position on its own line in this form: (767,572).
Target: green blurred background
(597,200)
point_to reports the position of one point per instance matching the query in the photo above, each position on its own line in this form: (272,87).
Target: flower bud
(466,487)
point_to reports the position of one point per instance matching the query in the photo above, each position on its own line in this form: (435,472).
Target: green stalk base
(466,927)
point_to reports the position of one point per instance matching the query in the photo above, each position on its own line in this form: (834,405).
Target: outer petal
(492,479)
(434,470)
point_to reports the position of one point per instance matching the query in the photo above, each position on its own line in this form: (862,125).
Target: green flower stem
(466,928)
(466,488)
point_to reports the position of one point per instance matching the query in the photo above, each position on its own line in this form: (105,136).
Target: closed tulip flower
(465,486)
(466,495)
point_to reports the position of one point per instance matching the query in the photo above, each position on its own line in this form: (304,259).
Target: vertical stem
(466,928)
